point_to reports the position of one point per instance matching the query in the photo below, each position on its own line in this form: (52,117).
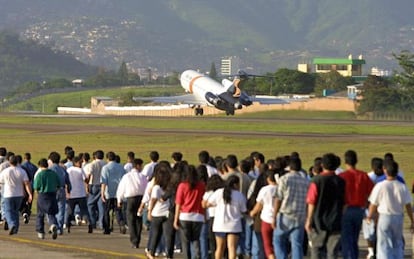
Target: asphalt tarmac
(79,244)
(76,244)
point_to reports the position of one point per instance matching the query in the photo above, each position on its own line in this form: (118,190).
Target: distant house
(344,66)
(77,82)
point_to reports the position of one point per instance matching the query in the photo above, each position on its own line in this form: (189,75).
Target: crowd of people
(221,208)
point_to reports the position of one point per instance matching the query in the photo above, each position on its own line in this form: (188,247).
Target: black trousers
(134,222)
(162,226)
(111,205)
(83,206)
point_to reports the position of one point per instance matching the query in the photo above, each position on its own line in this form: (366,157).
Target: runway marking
(69,247)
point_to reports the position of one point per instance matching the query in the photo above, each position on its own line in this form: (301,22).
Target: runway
(137,130)
(77,244)
(80,244)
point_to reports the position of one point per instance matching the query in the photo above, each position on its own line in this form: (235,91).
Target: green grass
(48,103)
(300,114)
(282,126)
(41,143)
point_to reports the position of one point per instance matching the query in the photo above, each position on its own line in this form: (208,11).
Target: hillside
(174,35)
(22,61)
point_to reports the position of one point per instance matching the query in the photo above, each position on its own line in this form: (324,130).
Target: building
(344,66)
(380,72)
(229,65)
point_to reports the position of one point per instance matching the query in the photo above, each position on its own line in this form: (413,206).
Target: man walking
(95,205)
(64,190)
(290,211)
(46,183)
(110,178)
(326,200)
(358,186)
(132,187)
(14,178)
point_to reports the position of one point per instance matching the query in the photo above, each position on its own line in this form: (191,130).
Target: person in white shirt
(132,187)
(78,195)
(230,206)
(264,206)
(204,158)
(388,199)
(148,169)
(130,162)
(213,183)
(95,205)
(14,180)
(158,212)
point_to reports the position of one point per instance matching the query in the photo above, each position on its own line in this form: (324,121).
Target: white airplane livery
(203,90)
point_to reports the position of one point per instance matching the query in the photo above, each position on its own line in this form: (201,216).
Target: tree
(289,81)
(406,61)
(331,81)
(395,95)
(213,71)
(123,74)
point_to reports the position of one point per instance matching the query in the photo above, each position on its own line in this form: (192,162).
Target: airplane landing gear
(231,112)
(198,111)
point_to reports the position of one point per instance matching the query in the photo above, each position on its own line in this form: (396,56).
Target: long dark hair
(231,184)
(162,175)
(214,182)
(190,176)
(202,173)
(260,182)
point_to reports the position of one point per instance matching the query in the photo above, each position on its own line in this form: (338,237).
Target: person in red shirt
(189,214)
(358,187)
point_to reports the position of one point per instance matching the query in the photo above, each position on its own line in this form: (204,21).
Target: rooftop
(338,61)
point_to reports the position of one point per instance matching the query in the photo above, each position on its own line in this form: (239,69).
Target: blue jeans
(204,241)
(95,206)
(390,236)
(257,246)
(11,210)
(241,249)
(60,216)
(288,230)
(248,239)
(351,226)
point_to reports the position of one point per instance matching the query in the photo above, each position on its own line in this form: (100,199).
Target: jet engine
(213,99)
(238,105)
(245,99)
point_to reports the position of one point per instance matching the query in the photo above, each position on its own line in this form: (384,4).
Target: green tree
(213,71)
(395,95)
(123,74)
(57,83)
(331,81)
(133,79)
(406,61)
(289,81)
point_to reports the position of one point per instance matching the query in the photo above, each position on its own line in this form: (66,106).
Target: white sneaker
(78,220)
(53,230)
(25,218)
(41,235)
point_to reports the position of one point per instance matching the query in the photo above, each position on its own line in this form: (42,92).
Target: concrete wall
(313,104)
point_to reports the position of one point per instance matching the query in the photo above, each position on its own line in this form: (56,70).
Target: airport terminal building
(344,66)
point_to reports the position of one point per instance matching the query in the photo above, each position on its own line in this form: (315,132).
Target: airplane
(203,90)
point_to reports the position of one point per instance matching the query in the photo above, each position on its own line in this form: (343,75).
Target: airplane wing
(190,99)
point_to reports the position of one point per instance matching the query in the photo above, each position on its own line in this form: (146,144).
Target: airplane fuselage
(208,90)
